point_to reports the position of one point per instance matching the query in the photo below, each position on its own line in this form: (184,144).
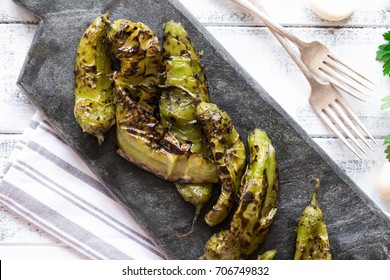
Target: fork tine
(344,88)
(335,118)
(336,62)
(348,121)
(356,119)
(325,118)
(330,71)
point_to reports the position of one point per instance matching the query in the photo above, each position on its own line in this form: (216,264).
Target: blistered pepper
(312,236)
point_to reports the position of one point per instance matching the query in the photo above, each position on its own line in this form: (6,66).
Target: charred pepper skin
(142,140)
(257,205)
(229,154)
(258,200)
(177,108)
(94,107)
(138,50)
(222,246)
(182,68)
(312,236)
(141,137)
(270,203)
(197,194)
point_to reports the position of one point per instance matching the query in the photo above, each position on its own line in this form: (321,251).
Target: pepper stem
(197,212)
(317,186)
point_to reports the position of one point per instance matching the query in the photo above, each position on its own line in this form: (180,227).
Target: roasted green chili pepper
(137,48)
(258,201)
(177,107)
(257,204)
(270,204)
(94,107)
(229,154)
(222,246)
(144,141)
(312,237)
(197,195)
(182,68)
(267,255)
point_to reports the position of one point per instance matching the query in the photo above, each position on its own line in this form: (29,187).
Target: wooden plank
(13,51)
(10,12)
(15,118)
(15,109)
(287,12)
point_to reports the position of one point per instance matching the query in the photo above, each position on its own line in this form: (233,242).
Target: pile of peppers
(158,98)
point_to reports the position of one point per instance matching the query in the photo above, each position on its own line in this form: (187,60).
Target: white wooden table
(257,51)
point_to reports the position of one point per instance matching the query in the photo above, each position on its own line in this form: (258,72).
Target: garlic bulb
(383,181)
(333,10)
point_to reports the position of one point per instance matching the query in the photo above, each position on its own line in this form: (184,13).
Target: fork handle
(282,40)
(269,22)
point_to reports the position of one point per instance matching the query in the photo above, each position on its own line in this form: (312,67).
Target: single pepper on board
(229,154)
(177,108)
(94,107)
(262,170)
(312,236)
(270,204)
(257,205)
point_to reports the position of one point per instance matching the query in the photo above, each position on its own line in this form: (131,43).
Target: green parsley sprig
(383,54)
(387,150)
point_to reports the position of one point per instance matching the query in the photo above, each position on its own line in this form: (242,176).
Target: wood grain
(12,13)
(15,109)
(287,12)
(252,45)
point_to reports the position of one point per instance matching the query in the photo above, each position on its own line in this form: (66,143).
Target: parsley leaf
(383,54)
(387,150)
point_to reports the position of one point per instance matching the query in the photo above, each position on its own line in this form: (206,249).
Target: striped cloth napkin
(48,184)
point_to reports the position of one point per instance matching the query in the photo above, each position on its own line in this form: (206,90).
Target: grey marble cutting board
(357,228)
